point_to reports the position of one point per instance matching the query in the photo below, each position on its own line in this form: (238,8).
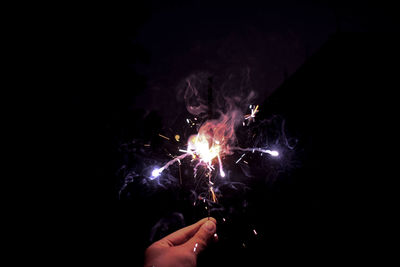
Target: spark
(240,158)
(252,115)
(156,172)
(213,196)
(255,232)
(273,153)
(221,171)
(163,136)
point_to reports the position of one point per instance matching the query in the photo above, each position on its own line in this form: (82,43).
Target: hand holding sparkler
(182,247)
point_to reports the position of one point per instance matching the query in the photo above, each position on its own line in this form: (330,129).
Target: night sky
(325,68)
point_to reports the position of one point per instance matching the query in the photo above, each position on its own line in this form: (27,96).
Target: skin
(180,249)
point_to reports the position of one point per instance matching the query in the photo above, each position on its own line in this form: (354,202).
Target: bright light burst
(209,145)
(204,147)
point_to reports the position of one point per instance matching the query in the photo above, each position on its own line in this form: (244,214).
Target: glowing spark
(273,153)
(213,196)
(251,116)
(163,136)
(255,232)
(177,137)
(221,171)
(156,172)
(240,158)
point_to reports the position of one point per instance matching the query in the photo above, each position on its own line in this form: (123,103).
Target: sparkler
(209,145)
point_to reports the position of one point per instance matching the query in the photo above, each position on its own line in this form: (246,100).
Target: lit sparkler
(208,147)
(202,150)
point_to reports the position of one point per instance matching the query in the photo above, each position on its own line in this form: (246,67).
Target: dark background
(328,68)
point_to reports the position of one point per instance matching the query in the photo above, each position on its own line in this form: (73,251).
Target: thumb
(202,237)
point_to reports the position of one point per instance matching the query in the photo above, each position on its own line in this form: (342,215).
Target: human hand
(182,247)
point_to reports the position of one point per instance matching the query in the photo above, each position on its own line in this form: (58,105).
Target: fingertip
(210,226)
(213,219)
(208,219)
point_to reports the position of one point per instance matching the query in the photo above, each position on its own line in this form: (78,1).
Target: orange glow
(213,196)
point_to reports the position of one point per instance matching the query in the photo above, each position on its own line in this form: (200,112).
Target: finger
(181,236)
(202,237)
